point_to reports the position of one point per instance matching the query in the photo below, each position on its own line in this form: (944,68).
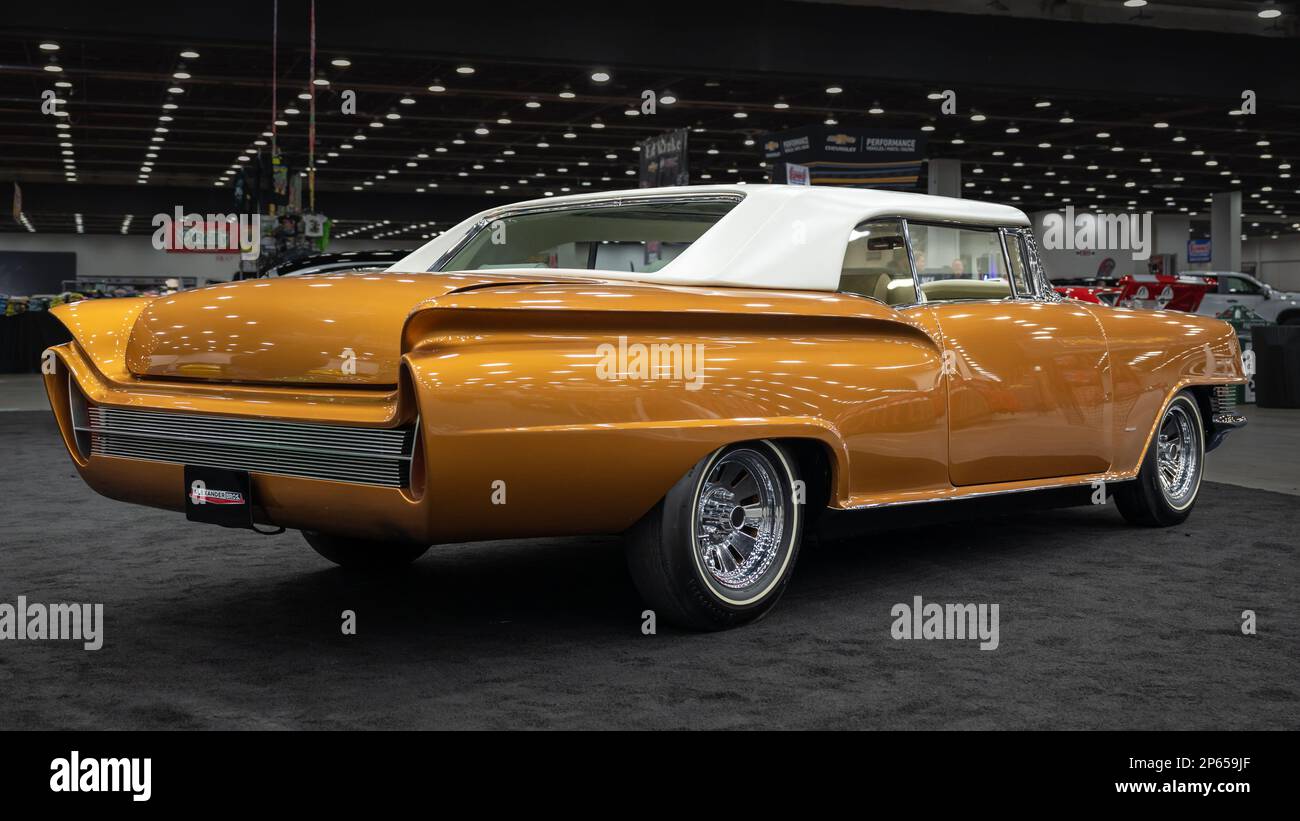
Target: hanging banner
(279,176)
(850,157)
(663,160)
(18,203)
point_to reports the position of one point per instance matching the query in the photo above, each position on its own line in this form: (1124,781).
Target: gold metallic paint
(502,377)
(289,330)
(1026,391)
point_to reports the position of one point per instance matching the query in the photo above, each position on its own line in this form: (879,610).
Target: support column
(1171,232)
(944,178)
(1225,231)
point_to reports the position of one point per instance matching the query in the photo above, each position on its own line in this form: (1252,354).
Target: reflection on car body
(456,396)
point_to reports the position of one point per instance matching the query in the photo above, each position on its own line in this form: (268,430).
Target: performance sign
(849,157)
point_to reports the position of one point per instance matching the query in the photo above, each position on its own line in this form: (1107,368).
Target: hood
(337,328)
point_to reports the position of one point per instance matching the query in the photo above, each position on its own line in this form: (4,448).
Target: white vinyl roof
(778,236)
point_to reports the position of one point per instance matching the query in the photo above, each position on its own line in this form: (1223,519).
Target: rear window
(637,237)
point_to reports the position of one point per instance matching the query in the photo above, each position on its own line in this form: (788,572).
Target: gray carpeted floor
(1102,625)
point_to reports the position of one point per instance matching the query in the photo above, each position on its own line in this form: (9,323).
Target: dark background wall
(35,272)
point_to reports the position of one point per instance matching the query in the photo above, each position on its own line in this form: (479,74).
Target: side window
(1237,285)
(1019,268)
(959,263)
(876,264)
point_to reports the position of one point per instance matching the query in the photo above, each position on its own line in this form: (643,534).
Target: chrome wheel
(719,549)
(740,520)
(1178,455)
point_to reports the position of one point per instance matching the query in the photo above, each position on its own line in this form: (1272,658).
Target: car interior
(877,266)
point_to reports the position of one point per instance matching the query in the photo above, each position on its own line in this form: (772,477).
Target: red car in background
(1089,289)
(1158,291)
(1164,292)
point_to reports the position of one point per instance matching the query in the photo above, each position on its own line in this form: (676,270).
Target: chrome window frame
(1046,293)
(1039,288)
(960,226)
(1009,236)
(911,263)
(612,202)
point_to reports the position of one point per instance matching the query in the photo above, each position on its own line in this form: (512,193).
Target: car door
(897,434)
(1026,376)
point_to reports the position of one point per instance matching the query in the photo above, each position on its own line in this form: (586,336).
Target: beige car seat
(882,286)
(866,282)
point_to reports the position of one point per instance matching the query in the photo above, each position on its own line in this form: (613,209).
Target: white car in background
(1242,289)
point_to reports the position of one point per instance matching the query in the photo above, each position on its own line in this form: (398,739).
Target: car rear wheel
(363,554)
(719,548)
(1166,486)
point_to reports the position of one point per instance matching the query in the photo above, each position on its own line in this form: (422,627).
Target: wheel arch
(1200,395)
(819,470)
(1288,316)
(1204,395)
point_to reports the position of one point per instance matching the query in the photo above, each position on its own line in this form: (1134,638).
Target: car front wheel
(1166,486)
(718,550)
(363,554)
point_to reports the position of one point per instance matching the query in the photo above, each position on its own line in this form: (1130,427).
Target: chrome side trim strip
(984,493)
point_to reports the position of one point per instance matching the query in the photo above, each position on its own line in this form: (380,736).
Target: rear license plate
(218,496)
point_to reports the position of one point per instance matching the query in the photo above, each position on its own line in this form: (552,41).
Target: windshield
(634,236)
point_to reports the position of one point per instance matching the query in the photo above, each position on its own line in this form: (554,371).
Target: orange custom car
(703,368)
